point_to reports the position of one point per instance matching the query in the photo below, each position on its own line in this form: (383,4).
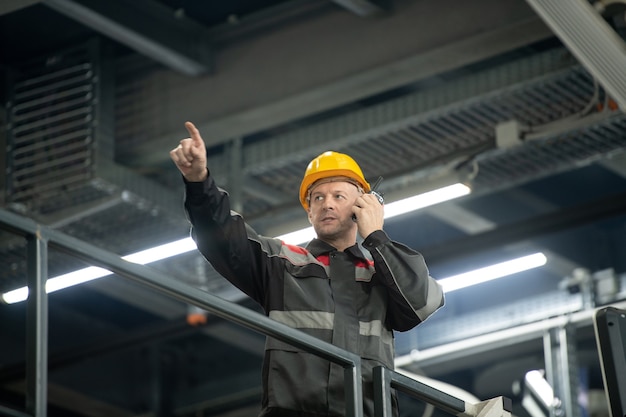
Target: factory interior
(521,101)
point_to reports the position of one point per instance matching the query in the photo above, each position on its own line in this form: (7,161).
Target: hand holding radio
(369,211)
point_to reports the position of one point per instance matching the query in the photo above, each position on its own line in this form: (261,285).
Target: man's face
(330,209)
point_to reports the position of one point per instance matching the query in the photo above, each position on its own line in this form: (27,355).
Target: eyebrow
(333,191)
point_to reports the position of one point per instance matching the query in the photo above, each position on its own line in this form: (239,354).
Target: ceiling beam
(258,189)
(147,27)
(368,59)
(461,218)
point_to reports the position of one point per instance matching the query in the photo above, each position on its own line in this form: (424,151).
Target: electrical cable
(536,131)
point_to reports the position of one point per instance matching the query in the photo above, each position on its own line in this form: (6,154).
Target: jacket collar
(318,247)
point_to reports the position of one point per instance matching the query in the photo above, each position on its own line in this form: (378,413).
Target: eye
(318,198)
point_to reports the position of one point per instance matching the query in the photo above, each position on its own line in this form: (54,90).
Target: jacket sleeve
(231,246)
(413,294)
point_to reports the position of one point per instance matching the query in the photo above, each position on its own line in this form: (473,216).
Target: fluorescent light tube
(15,296)
(299,236)
(165,251)
(489,273)
(426,199)
(80,276)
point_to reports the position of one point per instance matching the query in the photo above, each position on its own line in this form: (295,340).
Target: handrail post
(37,326)
(385,379)
(382,392)
(353,390)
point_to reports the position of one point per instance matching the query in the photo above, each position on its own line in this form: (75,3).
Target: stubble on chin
(331,232)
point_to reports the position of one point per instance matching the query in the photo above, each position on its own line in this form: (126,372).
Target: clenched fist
(190,155)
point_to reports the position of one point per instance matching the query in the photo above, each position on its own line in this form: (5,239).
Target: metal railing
(386,379)
(40,238)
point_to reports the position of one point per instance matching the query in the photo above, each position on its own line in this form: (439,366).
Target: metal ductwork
(60,167)
(590,38)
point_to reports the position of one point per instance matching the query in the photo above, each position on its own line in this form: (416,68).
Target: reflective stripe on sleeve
(433,299)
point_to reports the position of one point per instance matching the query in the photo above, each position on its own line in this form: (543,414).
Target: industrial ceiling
(500,95)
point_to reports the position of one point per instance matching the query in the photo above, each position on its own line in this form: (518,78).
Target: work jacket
(344,298)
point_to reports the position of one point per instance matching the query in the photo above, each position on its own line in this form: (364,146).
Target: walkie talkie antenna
(377,183)
(374,192)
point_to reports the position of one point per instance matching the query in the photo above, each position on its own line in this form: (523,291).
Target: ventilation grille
(50,138)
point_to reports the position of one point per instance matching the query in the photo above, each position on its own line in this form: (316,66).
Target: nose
(327,204)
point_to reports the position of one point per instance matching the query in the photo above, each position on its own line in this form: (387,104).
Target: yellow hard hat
(330,164)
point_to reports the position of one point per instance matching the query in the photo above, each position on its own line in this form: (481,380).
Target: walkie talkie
(376,194)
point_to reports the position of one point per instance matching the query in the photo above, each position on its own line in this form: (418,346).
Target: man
(329,289)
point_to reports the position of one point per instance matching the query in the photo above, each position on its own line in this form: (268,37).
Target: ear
(308,212)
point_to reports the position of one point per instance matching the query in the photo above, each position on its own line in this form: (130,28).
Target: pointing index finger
(194,133)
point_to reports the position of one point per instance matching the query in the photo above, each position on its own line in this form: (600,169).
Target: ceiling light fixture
(179,247)
(489,273)
(540,387)
(426,199)
(538,397)
(90,273)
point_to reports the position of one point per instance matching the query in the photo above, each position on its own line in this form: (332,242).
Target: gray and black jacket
(343,298)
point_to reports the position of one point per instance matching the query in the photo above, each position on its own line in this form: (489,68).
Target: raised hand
(190,155)
(369,214)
